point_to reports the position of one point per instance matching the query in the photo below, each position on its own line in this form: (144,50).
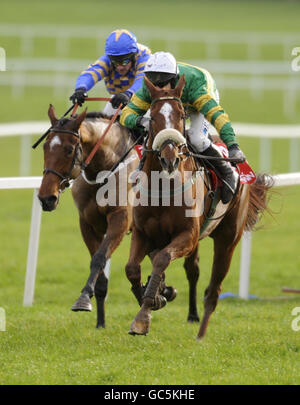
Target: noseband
(183,117)
(65,180)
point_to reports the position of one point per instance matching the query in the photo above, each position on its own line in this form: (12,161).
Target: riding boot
(224,169)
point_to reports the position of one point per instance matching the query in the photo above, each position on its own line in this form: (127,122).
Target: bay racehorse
(67,145)
(169,228)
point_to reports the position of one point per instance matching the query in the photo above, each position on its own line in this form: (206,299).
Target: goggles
(122,62)
(160,79)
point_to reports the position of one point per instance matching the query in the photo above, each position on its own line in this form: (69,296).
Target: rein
(73,108)
(199,156)
(208,216)
(66,179)
(100,140)
(48,130)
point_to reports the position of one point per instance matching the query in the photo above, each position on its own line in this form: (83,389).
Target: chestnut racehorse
(173,230)
(67,145)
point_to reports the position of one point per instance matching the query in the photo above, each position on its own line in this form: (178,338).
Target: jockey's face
(167,86)
(123,69)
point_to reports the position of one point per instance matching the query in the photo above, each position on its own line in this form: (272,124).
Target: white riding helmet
(161,68)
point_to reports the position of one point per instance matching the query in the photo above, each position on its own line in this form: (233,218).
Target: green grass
(232,15)
(248,342)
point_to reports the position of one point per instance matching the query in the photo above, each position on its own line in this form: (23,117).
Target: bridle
(183,117)
(151,132)
(65,180)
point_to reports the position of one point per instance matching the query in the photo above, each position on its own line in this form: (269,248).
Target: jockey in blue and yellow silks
(121,68)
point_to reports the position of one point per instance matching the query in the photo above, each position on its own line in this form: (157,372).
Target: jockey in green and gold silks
(201,99)
(199,95)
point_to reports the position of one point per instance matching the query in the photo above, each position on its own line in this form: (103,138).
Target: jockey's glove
(121,98)
(79,96)
(143,122)
(236,153)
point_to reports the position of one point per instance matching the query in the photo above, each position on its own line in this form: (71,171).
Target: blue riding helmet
(121,42)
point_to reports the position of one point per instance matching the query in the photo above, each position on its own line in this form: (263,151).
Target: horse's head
(62,157)
(167,123)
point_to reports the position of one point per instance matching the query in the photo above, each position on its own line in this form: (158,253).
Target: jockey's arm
(215,114)
(137,107)
(94,73)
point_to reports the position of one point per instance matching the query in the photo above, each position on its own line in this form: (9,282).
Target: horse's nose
(169,165)
(48,203)
(164,163)
(176,164)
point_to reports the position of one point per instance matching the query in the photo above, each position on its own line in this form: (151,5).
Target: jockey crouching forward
(201,98)
(121,68)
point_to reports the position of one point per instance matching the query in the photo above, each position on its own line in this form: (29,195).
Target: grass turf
(248,342)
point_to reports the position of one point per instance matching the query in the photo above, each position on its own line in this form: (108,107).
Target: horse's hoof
(140,327)
(83,304)
(170,293)
(193,318)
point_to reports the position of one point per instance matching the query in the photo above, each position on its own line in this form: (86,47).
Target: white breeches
(199,129)
(109,110)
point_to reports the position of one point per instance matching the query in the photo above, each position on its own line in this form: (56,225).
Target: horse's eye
(69,150)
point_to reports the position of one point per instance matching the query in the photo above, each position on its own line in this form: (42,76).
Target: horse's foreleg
(117,223)
(100,295)
(169,292)
(192,272)
(180,246)
(93,242)
(138,250)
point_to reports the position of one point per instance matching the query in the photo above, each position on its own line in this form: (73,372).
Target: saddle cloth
(139,149)
(247,175)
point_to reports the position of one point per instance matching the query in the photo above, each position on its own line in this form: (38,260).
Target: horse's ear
(80,118)
(52,115)
(152,89)
(180,85)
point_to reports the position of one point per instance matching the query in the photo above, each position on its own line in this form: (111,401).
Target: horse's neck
(111,148)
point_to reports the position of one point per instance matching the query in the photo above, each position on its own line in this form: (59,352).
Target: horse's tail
(258,200)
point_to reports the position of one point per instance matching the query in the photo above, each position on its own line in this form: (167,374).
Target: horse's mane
(97,114)
(92,117)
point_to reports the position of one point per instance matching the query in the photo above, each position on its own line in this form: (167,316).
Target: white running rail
(33,246)
(265,132)
(288,179)
(9,183)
